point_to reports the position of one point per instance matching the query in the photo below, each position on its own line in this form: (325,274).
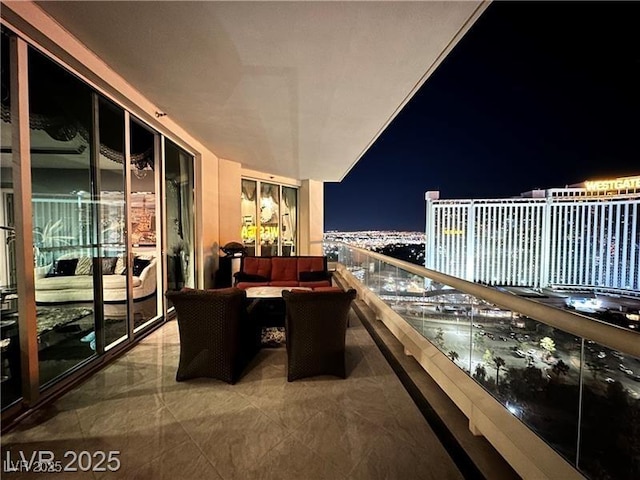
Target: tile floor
(365,427)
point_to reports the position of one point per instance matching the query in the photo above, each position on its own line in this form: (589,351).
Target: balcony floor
(364,427)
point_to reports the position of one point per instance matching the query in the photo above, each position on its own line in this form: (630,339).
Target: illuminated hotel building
(583,236)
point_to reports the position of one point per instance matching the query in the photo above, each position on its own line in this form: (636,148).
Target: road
(472,342)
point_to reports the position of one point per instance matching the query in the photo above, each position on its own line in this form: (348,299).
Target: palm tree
(439,338)
(498,363)
(548,345)
(488,356)
(480,373)
(560,368)
(453,355)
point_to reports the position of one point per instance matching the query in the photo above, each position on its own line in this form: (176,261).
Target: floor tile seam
(453,449)
(249,397)
(283,439)
(282,424)
(107,413)
(319,456)
(196,444)
(396,436)
(152,458)
(287,435)
(82,432)
(229,400)
(363,455)
(264,412)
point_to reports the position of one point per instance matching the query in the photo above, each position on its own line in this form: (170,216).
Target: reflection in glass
(610,428)
(179,208)
(274,225)
(143,226)
(113,220)
(537,372)
(269,219)
(61,131)
(288,232)
(9,338)
(248,206)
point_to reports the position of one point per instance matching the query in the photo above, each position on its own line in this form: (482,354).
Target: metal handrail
(612,336)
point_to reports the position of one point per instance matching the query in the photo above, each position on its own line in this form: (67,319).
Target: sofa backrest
(284,269)
(110,265)
(312,264)
(256,266)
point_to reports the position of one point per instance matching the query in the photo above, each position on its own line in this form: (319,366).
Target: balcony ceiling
(299,89)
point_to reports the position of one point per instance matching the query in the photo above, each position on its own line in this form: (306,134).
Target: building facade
(585,236)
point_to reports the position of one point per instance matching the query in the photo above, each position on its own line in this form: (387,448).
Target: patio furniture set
(220,329)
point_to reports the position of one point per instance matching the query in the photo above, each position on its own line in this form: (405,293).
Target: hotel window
(269,218)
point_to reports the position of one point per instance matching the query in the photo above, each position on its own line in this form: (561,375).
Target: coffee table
(266,305)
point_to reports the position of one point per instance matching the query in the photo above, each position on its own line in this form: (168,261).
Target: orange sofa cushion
(257,266)
(312,264)
(284,269)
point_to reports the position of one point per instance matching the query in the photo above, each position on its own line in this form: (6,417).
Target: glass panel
(533,369)
(269,219)
(113,220)
(610,429)
(289,230)
(248,206)
(179,208)
(61,132)
(144,225)
(9,339)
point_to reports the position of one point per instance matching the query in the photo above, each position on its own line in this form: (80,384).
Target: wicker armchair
(216,338)
(316,326)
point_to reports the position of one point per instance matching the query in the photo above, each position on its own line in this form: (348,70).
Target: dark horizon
(536,95)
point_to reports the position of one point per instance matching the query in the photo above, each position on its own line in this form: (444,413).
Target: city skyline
(514,107)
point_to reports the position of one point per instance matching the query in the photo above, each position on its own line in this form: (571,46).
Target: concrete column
(207,205)
(230,184)
(311,217)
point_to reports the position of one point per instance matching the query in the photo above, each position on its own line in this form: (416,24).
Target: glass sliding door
(97,180)
(248,207)
(273,228)
(289,227)
(112,221)
(64,233)
(178,184)
(144,237)
(269,219)
(9,339)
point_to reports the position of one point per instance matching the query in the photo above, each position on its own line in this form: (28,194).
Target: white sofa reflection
(69,282)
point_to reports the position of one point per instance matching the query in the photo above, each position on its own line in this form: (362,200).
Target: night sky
(536,95)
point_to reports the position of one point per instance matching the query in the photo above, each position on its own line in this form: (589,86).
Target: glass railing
(577,387)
